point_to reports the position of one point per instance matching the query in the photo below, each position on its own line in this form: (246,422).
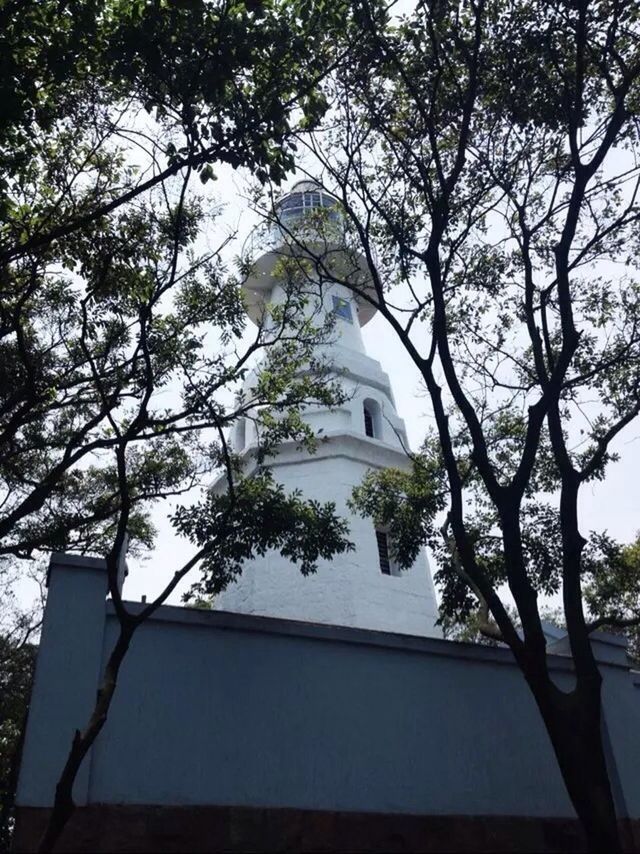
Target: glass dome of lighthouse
(307,223)
(305,199)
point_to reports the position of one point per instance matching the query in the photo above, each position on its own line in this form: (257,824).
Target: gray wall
(216,708)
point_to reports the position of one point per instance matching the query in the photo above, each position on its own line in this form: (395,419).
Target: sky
(613,505)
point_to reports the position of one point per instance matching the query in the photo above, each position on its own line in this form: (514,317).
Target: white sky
(613,505)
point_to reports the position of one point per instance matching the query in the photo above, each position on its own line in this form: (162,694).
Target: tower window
(383,552)
(368,422)
(342,308)
(372,418)
(388,565)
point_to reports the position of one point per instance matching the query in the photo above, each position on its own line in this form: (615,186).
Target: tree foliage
(122,331)
(19,626)
(17,662)
(106,305)
(224,81)
(488,150)
(263,517)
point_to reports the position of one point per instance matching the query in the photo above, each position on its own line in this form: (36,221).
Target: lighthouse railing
(301,230)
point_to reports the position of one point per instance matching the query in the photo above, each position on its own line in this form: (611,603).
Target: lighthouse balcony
(307,224)
(307,221)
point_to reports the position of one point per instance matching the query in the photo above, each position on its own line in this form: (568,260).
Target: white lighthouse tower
(363,588)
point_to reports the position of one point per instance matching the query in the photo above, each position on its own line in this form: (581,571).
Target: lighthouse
(364,588)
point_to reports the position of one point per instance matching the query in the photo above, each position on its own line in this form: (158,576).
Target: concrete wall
(226,709)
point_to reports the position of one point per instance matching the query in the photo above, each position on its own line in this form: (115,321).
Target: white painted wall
(350,590)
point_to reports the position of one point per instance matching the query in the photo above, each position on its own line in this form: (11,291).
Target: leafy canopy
(489,151)
(119,336)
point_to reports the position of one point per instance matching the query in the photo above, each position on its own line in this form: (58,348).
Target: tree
(80,160)
(121,399)
(221,81)
(122,339)
(612,592)
(16,674)
(18,636)
(489,151)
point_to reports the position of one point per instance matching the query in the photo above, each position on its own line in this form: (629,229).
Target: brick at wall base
(111,828)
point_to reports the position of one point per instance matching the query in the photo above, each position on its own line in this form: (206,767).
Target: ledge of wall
(389,640)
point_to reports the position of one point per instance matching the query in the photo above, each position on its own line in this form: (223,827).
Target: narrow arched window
(372,418)
(368,421)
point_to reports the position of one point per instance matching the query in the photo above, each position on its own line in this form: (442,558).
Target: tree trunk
(63,805)
(574,724)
